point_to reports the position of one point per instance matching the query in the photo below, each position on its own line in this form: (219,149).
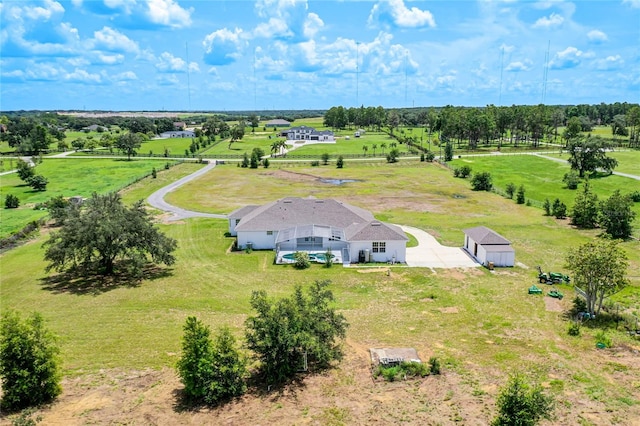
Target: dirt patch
(552,304)
(449,310)
(372,270)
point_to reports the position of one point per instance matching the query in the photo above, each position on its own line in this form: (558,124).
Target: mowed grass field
(542,178)
(67,177)
(482,325)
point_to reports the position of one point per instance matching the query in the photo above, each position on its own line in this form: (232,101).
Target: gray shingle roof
(485,236)
(374,231)
(288,212)
(242,211)
(358,224)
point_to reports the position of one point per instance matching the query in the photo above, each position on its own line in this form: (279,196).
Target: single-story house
(278,122)
(486,246)
(310,224)
(178,134)
(304,133)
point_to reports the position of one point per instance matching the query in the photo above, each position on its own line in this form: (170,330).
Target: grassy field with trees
(68,177)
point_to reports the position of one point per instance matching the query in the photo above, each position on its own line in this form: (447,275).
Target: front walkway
(431,254)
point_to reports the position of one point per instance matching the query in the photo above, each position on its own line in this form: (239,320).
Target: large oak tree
(93,239)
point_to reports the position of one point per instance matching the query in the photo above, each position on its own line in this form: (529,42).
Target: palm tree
(383,145)
(275,147)
(374,147)
(365,148)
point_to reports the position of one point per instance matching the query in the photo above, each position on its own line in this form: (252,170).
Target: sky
(223,55)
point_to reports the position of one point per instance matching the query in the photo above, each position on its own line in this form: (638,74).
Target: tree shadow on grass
(78,283)
(255,389)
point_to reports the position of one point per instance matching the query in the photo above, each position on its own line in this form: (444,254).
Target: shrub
(325,158)
(635,196)
(571,179)
(481,181)
(559,209)
(38,182)
(404,370)
(29,363)
(210,371)
(284,333)
(315,163)
(166,166)
(510,190)
(579,305)
(154,173)
(429,156)
(301,260)
(329,259)
(520,195)
(11,202)
(521,404)
(422,157)
(574,329)
(434,365)
(340,162)
(547,207)
(265,163)
(393,155)
(462,172)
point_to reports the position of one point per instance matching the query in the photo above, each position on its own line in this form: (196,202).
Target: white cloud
(519,66)
(169,63)
(168,80)
(633,3)
(82,76)
(552,20)
(168,13)
(124,76)
(44,12)
(222,47)
(610,63)
(395,12)
(110,59)
(570,57)
(507,48)
(113,40)
(596,36)
(286,20)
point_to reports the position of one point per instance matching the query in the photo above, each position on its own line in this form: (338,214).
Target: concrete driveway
(431,254)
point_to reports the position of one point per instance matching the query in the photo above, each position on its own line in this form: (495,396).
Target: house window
(379,247)
(269,232)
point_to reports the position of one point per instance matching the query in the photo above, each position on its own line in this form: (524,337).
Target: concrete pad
(431,254)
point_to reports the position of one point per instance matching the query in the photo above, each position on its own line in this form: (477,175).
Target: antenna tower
(188,76)
(546,73)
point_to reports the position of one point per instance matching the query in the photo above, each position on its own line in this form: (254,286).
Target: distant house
(486,246)
(315,225)
(93,128)
(304,133)
(179,125)
(178,134)
(278,122)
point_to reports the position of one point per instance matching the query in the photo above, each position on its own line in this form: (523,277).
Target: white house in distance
(486,246)
(278,122)
(315,225)
(304,133)
(178,134)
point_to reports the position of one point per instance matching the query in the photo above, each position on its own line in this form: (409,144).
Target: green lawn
(67,177)
(628,161)
(481,324)
(542,178)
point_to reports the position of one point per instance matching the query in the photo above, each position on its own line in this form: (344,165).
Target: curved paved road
(157,198)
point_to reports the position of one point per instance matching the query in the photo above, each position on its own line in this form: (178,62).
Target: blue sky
(305,54)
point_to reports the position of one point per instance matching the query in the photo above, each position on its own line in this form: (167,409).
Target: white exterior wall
(502,258)
(232,227)
(259,239)
(481,255)
(395,249)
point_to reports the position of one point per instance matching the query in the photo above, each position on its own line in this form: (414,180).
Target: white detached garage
(486,246)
